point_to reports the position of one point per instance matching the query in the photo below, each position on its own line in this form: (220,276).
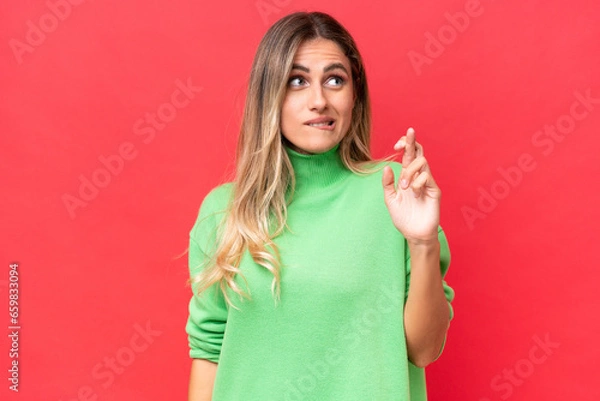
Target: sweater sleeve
(444,265)
(207,311)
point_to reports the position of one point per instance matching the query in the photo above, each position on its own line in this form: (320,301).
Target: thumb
(389,190)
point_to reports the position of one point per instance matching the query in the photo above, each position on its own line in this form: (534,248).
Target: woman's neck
(317,171)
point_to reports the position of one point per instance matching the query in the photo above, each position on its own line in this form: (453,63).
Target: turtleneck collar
(316,172)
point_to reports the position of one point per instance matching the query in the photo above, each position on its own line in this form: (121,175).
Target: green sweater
(338,331)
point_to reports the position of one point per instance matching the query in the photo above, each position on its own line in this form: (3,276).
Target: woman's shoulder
(219,194)
(215,201)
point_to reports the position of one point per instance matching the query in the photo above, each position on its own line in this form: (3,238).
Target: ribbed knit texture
(337,333)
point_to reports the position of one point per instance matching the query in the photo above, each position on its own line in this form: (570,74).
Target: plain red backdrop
(103,301)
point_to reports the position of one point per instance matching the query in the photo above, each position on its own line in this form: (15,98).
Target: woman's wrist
(423,244)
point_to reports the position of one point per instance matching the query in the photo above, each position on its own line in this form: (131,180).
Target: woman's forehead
(320,52)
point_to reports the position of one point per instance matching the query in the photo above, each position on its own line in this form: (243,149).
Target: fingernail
(404,184)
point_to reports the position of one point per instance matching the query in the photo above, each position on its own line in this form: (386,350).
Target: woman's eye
(300,81)
(339,80)
(296,81)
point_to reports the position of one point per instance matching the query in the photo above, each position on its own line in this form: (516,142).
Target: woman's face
(319,88)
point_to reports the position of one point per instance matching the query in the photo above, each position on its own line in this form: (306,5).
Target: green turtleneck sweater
(337,332)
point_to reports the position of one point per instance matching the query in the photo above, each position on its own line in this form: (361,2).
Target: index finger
(410,149)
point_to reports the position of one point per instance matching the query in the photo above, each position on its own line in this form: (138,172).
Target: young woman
(315,276)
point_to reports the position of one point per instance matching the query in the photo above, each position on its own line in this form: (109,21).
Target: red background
(525,267)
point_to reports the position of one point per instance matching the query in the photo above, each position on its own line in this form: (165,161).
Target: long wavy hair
(264,183)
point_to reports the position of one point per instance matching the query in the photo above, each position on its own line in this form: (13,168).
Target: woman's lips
(323,126)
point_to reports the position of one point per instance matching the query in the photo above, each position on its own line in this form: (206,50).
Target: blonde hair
(264,183)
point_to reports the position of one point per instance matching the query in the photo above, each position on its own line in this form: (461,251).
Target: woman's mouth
(329,125)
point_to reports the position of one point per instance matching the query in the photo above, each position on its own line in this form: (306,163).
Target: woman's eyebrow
(330,67)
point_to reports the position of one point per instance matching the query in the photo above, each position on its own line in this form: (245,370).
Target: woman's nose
(317,99)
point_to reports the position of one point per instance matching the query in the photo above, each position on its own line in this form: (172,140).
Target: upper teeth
(319,124)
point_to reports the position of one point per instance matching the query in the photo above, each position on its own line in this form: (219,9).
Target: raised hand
(414,205)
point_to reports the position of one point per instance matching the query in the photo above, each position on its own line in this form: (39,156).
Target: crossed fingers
(415,169)
(412,149)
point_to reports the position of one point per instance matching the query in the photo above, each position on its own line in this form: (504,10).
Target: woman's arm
(414,207)
(202,378)
(426,313)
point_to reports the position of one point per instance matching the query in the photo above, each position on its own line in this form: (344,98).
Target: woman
(314,277)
